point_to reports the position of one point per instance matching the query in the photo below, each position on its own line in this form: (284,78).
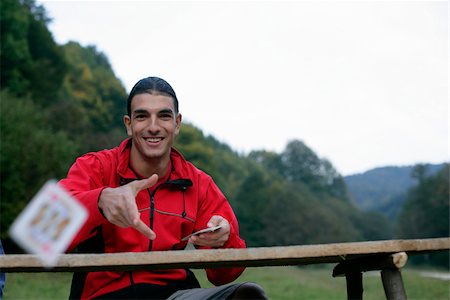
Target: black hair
(149,85)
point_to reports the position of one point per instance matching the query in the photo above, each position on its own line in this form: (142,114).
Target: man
(144,196)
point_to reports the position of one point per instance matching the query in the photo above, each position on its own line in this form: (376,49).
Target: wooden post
(389,264)
(354,285)
(393,284)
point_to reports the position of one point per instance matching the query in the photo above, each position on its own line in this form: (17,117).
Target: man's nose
(153,125)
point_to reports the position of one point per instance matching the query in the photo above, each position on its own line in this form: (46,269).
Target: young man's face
(153,125)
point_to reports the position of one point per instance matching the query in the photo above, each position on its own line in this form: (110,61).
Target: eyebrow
(166,111)
(140,111)
(162,111)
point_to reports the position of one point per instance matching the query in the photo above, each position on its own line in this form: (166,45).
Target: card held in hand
(48,223)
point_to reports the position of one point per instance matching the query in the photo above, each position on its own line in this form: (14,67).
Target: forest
(61,101)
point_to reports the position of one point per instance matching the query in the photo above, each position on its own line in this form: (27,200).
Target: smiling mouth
(153,139)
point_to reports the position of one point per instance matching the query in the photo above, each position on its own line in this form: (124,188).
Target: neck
(146,167)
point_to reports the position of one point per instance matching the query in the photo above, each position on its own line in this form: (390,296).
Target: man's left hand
(216,238)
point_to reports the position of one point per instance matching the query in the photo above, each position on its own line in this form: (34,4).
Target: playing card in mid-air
(49,223)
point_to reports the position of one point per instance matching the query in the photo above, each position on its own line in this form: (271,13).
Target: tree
(47,58)
(91,102)
(31,153)
(419,172)
(270,160)
(251,203)
(28,51)
(425,213)
(15,56)
(301,164)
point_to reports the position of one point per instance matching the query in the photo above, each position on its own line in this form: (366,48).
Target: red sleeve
(85,181)
(215,203)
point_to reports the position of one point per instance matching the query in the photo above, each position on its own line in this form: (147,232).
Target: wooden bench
(352,260)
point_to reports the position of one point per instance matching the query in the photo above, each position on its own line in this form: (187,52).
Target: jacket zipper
(152,213)
(152,207)
(152,217)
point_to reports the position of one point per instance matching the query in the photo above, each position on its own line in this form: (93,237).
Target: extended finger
(145,230)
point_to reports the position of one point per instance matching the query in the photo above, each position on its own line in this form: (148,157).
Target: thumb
(139,185)
(215,220)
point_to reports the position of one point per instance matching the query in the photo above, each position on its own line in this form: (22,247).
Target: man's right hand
(120,208)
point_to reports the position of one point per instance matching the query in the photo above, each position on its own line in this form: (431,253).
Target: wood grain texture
(250,257)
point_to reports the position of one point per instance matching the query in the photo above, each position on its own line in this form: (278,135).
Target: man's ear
(127,122)
(178,124)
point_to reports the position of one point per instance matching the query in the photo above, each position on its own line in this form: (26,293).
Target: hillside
(78,107)
(384,189)
(293,197)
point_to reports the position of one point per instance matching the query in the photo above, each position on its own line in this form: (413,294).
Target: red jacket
(177,212)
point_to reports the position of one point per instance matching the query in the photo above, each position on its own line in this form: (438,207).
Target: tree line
(60,101)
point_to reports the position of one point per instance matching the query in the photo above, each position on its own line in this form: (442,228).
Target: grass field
(280,283)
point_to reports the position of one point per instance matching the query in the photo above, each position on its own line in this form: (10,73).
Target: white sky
(364,84)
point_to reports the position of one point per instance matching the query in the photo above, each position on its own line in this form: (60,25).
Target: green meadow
(280,283)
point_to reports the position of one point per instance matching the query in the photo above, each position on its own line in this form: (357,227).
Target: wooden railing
(352,260)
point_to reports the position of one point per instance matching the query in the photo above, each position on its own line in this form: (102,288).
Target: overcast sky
(363,84)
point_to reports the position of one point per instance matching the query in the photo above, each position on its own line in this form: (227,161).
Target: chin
(155,154)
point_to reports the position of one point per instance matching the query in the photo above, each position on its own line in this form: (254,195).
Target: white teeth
(153,140)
